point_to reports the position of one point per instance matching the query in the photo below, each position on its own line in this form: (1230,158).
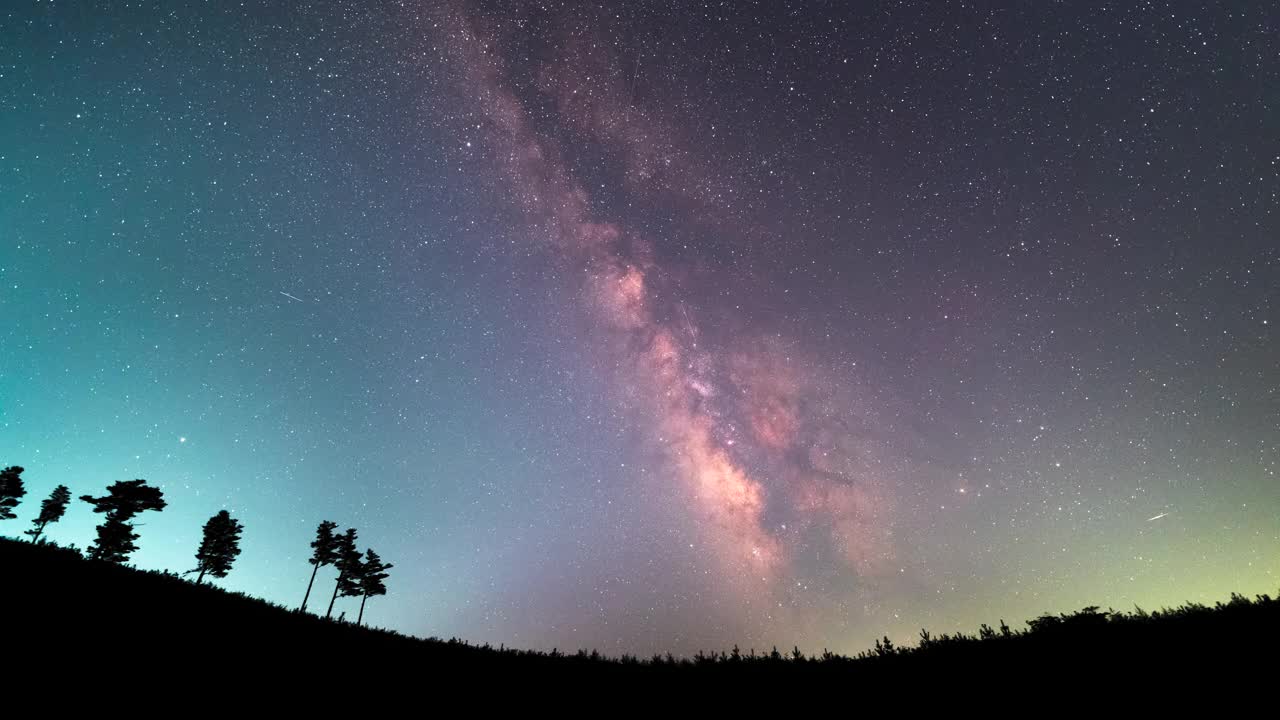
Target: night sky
(659,326)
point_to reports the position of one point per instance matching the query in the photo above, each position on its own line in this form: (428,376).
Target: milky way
(657,326)
(708,406)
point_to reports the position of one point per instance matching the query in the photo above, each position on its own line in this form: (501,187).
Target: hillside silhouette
(59,604)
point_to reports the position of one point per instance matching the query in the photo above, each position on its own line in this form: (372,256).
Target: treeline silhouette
(359,575)
(59,599)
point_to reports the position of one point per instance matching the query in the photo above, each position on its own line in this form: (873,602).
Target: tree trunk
(308,595)
(360,617)
(200,576)
(331,601)
(39,531)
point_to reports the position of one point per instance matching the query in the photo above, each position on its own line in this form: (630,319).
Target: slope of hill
(61,608)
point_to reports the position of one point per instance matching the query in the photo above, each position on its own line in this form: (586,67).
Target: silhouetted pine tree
(123,500)
(348,564)
(324,552)
(372,573)
(11,491)
(52,509)
(220,546)
(349,577)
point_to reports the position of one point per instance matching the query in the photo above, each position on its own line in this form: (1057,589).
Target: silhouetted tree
(372,573)
(220,546)
(11,491)
(124,500)
(324,552)
(348,564)
(52,509)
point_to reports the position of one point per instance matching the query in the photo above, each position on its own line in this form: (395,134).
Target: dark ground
(93,622)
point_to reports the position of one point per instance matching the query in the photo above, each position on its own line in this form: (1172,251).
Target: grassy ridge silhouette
(64,603)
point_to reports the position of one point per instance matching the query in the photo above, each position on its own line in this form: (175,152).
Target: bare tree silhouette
(220,546)
(52,509)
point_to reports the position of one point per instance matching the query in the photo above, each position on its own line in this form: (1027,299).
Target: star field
(657,326)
